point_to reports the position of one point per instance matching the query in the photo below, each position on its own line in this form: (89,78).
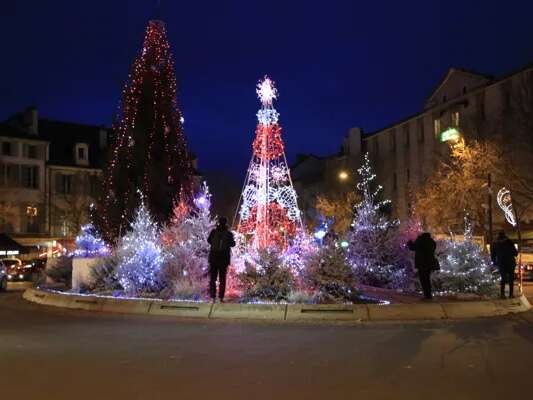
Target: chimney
(31,120)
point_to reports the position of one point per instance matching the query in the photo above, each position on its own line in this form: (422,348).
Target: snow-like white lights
(320,234)
(266,91)
(505,202)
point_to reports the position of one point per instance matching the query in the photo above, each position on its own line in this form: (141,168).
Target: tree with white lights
(185,243)
(140,254)
(464,267)
(373,248)
(268,210)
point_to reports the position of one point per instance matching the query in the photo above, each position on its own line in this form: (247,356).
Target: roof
(453,70)
(10,131)
(63,136)
(492,81)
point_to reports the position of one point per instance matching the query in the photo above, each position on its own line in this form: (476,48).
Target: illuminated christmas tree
(268,211)
(150,150)
(372,246)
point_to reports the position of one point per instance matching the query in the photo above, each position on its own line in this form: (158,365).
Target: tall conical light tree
(150,151)
(268,211)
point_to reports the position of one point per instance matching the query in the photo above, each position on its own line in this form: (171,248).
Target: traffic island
(282,312)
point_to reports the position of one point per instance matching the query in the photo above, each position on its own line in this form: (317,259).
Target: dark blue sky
(337,63)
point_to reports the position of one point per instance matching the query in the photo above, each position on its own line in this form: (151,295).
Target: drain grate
(326,311)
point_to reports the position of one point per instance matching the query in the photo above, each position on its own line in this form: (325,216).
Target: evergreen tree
(185,242)
(150,151)
(329,275)
(89,243)
(140,254)
(373,249)
(464,267)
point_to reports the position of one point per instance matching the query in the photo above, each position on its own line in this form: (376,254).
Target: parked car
(16,270)
(3,277)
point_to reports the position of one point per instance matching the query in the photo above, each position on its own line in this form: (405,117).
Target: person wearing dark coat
(503,254)
(221,241)
(425,262)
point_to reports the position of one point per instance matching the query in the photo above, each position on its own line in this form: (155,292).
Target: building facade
(49,175)
(407,152)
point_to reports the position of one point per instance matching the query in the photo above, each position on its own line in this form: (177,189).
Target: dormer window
(82,154)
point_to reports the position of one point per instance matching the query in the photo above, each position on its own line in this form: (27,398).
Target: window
(444,99)
(12,175)
(464,89)
(436,127)
(376,146)
(8,149)
(394,181)
(407,135)
(408,175)
(31,216)
(455,119)
(63,183)
(93,185)
(480,105)
(506,96)
(30,151)
(82,153)
(29,176)
(420,130)
(392,135)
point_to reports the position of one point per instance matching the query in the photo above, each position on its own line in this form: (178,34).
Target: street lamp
(343,175)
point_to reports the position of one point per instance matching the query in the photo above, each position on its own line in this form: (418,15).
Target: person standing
(503,254)
(221,241)
(425,261)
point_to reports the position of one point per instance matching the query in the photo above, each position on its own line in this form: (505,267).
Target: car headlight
(21,276)
(9,276)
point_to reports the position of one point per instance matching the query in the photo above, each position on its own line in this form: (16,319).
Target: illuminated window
(436,127)
(82,153)
(455,119)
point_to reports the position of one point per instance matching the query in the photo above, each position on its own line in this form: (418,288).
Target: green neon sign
(450,135)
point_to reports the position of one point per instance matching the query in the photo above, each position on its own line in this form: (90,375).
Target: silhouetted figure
(503,253)
(221,241)
(425,261)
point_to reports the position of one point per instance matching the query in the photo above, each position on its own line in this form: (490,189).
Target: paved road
(49,353)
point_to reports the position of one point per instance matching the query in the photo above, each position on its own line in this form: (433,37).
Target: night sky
(337,64)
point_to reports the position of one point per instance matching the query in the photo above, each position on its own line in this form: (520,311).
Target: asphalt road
(50,353)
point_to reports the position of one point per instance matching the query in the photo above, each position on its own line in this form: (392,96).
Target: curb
(283,312)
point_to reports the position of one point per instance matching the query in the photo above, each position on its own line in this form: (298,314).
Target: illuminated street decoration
(450,135)
(150,152)
(268,210)
(505,202)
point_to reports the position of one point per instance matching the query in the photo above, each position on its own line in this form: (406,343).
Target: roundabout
(422,311)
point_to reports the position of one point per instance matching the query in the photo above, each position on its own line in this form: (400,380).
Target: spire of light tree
(268,211)
(150,151)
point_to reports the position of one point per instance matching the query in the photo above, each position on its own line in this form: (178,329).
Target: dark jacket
(424,247)
(221,241)
(503,253)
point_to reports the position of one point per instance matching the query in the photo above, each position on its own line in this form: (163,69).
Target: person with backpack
(425,261)
(221,241)
(503,253)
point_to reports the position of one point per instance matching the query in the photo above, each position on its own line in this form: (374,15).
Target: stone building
(49,176)
(407,152)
